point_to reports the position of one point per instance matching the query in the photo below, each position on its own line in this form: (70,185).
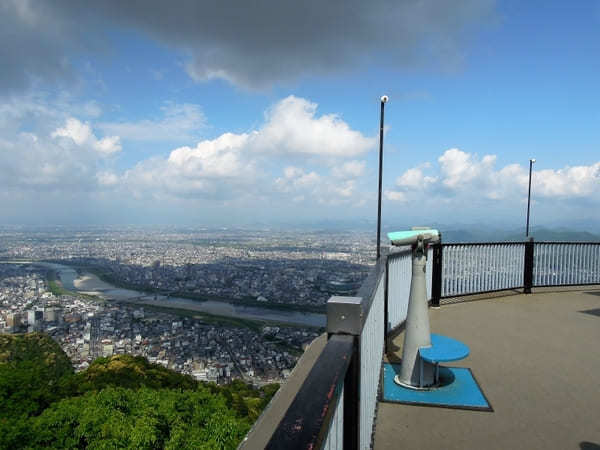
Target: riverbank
(56,287)
(107,277)
(69,280)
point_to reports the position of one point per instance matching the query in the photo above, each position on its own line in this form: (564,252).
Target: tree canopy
(118,402)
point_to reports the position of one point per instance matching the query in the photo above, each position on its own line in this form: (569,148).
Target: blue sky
(199,113)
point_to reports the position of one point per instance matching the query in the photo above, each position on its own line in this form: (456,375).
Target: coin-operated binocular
(414,372)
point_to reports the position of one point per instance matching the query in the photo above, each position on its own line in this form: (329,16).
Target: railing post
(345,315)
(436,274)
(528,267)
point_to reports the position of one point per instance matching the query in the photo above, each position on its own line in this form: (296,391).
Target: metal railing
(336,405)
(566,263)
(476,268)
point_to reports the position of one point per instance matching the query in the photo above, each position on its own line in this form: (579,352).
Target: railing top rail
(466,244)
(306,422)
(567,242)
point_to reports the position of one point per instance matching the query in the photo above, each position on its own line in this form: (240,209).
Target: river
(88,283)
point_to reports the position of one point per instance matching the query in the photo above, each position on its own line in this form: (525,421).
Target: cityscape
(274,270)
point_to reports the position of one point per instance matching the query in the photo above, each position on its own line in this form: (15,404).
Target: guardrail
(566,263)
(477,268)
(336,405)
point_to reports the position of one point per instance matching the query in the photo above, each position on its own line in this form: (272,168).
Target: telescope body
(416,373)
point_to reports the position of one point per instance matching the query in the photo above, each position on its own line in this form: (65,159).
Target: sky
(238,113)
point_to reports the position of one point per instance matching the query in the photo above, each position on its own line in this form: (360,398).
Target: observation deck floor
(537,360)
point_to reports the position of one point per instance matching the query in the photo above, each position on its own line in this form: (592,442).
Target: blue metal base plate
(458,389)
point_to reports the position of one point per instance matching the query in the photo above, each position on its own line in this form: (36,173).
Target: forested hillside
(118,402)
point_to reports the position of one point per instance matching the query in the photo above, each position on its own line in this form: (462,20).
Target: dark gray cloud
(34,41)
(252,44)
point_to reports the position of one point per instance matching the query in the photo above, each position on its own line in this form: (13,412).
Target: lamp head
(532,160)
(384,98)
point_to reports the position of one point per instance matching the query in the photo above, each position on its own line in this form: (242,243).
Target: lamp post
(384,99)
(531,161)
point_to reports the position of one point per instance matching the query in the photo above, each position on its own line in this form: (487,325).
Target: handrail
(333,407)
(307,420)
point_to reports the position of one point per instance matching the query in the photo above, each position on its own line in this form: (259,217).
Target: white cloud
(395,196)
(414,179)
(459,168)
(292,127)
(214,168)
(350,169)
(578,181)
(180,122)
(81,134)
(320,189)
(464,176)
(229,163)
(218,158)
(43,148)
(107,178)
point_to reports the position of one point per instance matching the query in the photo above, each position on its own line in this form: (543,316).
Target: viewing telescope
(411,237)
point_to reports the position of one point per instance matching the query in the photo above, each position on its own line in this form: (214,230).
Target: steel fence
(566,263)
(477,268)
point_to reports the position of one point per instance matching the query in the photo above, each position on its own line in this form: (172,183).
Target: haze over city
(204,114)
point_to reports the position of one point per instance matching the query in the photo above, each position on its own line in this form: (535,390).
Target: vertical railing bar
(469,268)
(502,284)
(555,263)
(562,264)
(541,268)
(496,273)
(546,273)
(456,275)
(571,262)
(511,260)
(451,268)
(475,267)
(478,270)
(463,271)
(587,262)
(461,278)
(496,268)
(589,249)
(575,264)
(486,268)
(578,263)
(560,269)
(513,280)
(465,275)
(597,269)
(550,252)
(574,250)
(466,272)
(505,267)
